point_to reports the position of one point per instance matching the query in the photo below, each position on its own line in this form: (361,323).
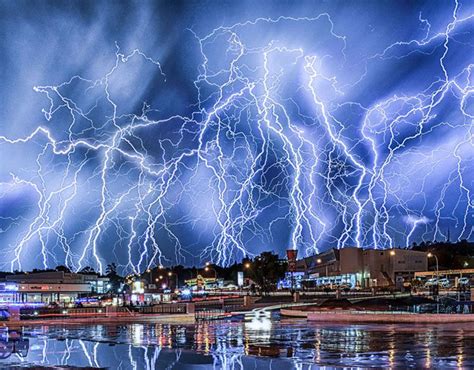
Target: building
(362,267)
(50,286)
(201,282)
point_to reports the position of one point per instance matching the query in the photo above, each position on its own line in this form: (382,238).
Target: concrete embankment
(293,313)
(106,320)
(377,316)
(386,317)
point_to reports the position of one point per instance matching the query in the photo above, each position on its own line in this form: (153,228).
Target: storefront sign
(240,278)
(291,256)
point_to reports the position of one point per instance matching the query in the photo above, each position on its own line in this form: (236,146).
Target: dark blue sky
(164,132)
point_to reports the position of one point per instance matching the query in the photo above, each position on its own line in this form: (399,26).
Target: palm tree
(111,269)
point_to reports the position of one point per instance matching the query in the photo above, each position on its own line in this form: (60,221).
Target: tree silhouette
(266,270)
(87,270)
(111,269)
(63,268)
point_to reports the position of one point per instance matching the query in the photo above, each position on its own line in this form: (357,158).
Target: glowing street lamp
(207,269)
(429,255)
(392,253)
(170,273)
(319,260)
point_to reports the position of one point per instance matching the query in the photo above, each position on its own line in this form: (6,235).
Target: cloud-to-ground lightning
(281,149)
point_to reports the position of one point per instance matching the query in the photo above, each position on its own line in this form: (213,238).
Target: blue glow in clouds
(161,133)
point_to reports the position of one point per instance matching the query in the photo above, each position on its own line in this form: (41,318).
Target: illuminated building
(362,267)
(47,287)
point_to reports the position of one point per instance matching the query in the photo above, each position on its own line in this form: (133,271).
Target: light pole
(208,268)
(150,276)
(159,278)
(429,255)
(319,260)
(247,266)
(170,273)
(392,272)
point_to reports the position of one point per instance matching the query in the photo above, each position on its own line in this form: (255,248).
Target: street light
(170,273)
(319,260)
(392,267)
(150,275)
(247,265)
(207,268)
(429,255)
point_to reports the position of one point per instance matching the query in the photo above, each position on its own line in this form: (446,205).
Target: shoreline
(149,318)
(383,317)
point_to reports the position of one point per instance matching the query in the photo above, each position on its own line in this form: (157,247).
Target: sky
(147,133)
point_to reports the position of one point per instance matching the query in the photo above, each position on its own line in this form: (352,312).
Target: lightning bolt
(274,141)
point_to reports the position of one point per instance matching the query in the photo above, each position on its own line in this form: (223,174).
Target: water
(285,344)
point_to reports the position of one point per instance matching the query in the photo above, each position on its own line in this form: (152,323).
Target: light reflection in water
(233,344)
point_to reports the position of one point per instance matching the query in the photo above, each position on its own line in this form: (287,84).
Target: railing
(166,308)
(112,311)
(55,313)
(363,312)
(211,315)
(225,304)
(375,312)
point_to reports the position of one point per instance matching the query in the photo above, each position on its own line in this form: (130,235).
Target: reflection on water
(259,343)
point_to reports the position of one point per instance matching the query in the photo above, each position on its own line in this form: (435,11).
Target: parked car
(464,281)
(444,283)
(431,282)
(344,286)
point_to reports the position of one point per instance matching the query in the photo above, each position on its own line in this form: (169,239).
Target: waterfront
(239,344)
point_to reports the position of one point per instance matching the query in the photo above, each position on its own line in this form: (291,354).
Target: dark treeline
(267,267)
(450,255)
